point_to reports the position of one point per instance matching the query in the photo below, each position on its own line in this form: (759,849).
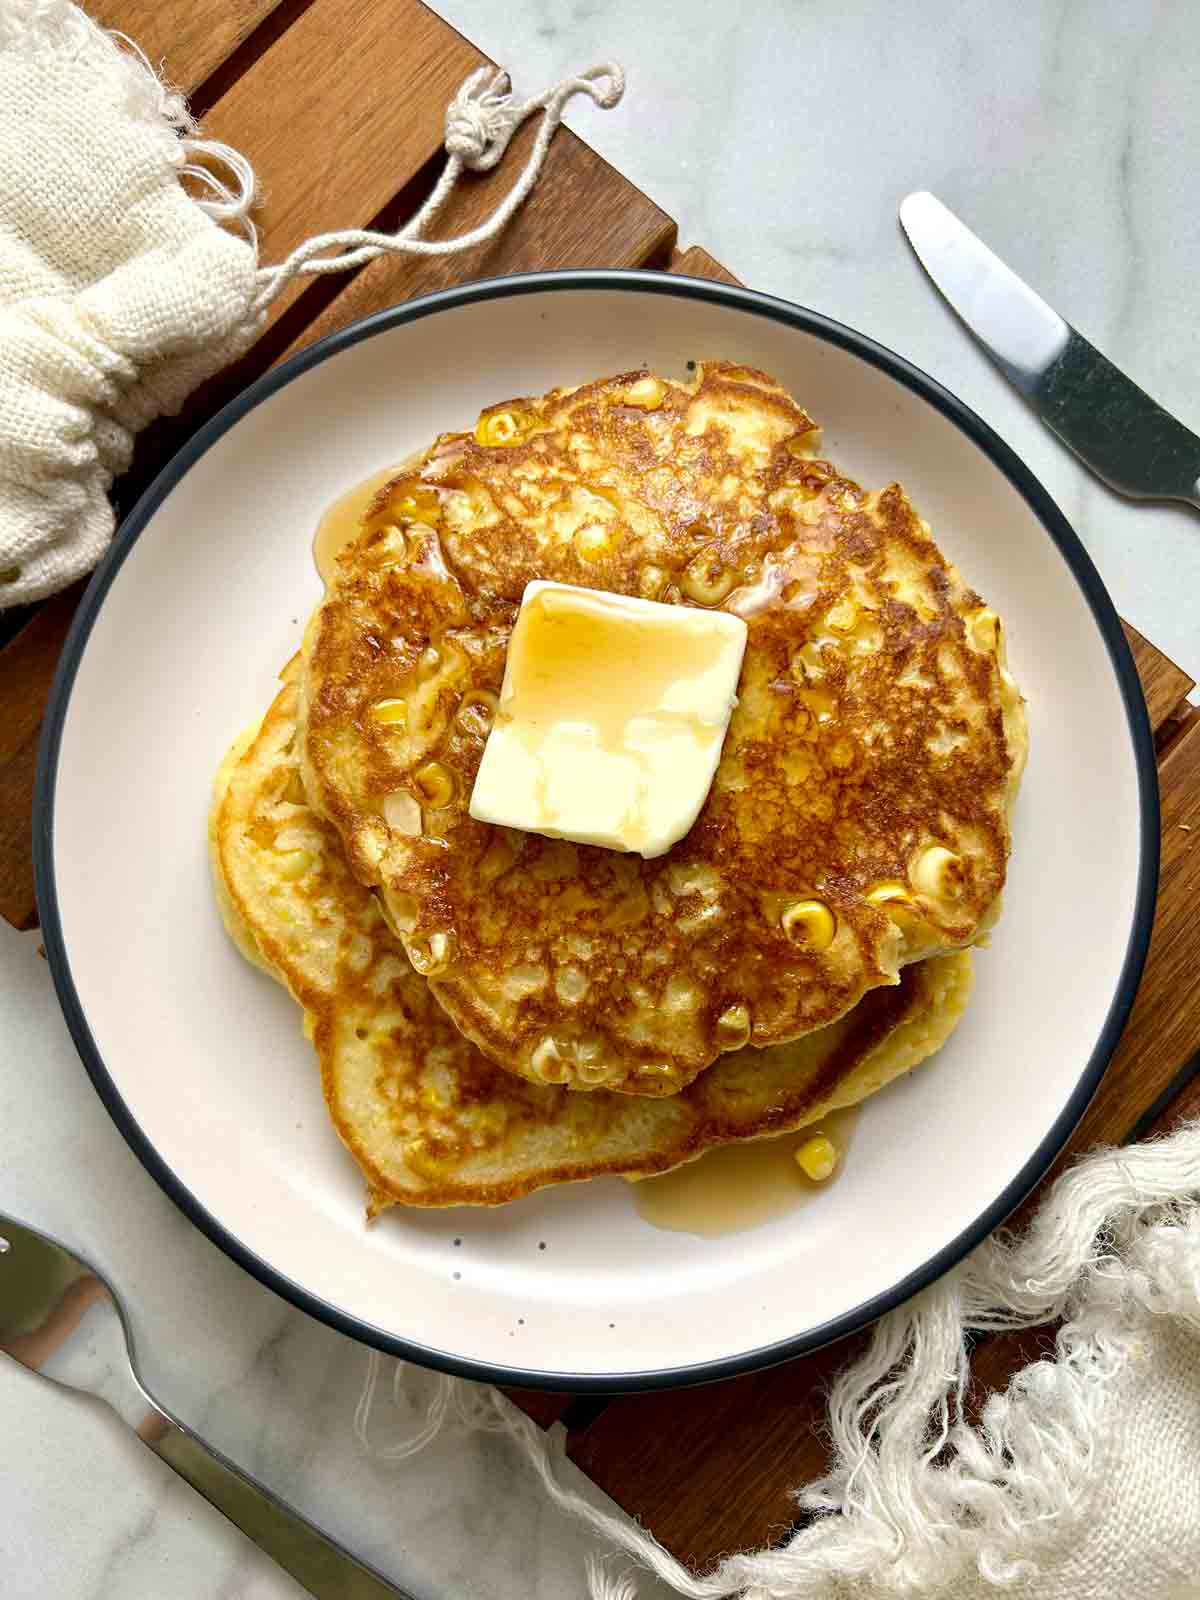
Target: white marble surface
(782,136)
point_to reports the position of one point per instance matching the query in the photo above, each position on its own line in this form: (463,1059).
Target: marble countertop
(782,136)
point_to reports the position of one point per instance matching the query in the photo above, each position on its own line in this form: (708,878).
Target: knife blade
(1115,428)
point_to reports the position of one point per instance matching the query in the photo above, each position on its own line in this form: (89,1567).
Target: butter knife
(1114,427)
(61,1318)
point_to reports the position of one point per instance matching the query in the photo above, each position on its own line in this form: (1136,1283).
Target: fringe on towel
(918,1499)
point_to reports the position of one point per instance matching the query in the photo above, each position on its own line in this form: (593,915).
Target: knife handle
(1117,429)
(324,1567)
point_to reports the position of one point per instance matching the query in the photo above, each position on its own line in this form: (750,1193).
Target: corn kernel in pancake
(428,1119)
(876,726)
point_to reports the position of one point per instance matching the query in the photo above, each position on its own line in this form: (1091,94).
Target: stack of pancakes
(495,1010)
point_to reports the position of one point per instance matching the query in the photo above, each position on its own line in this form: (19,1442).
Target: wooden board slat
(188,40)
(697,263)
(582,213)
(544,1408)
(1176,725)
(1163,683)
(1184,1108)
(709,1471)
(340,114)
(1164,1027)
(26,668)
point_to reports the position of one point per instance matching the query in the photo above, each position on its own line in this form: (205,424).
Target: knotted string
(480,123)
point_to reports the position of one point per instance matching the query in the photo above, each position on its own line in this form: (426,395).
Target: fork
(61,1318)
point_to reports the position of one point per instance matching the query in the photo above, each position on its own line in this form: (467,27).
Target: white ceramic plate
(200,1059)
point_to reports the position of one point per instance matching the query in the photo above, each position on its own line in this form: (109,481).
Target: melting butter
(611,719)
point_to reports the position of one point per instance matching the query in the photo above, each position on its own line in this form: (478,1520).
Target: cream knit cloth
(120,291)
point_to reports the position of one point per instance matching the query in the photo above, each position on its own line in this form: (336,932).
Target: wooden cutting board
(708,1470)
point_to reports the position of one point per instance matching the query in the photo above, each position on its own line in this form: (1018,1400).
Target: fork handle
(324,1567)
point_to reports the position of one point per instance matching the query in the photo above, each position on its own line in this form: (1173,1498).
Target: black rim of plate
(1057,528)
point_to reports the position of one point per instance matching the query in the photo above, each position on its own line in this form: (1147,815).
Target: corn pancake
(859,818)
(430,1120)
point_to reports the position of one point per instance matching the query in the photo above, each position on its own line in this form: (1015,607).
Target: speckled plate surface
(200,1059)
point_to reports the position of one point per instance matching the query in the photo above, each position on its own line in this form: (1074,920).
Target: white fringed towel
(120,290)
(1080,1482)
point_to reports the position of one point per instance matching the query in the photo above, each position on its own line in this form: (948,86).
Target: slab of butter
(611,718)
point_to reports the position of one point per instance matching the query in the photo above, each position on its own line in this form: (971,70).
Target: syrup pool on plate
(340,521)
(739,1186)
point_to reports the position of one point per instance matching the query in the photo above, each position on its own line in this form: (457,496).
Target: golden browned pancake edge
(859,819)
(428,1119)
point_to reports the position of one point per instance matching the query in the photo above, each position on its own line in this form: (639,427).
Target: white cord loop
(480,123)
(227,200)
